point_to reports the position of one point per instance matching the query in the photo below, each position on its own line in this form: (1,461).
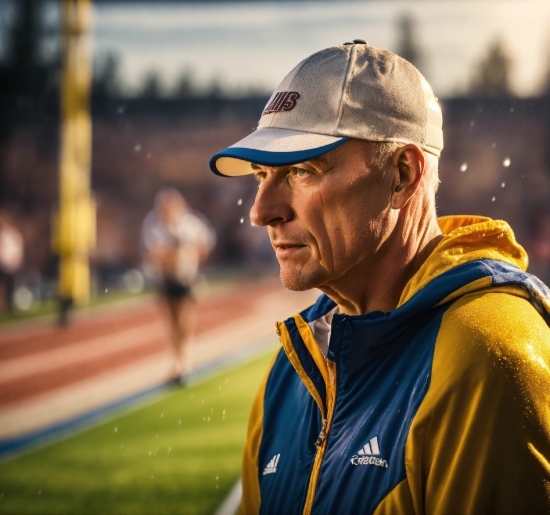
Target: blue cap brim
(266,158)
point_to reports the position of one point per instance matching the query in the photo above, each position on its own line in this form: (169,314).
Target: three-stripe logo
(368,455)
(271,467)
(370,448)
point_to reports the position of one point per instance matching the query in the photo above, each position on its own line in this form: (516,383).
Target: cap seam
(347,80)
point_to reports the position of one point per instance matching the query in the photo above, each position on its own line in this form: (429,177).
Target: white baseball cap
(349,91)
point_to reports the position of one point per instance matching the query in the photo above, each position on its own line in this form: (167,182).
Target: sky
(251,46)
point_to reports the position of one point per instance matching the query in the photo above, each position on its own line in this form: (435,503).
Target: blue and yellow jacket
(441,406)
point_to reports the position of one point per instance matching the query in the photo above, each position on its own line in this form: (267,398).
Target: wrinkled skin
(338,223)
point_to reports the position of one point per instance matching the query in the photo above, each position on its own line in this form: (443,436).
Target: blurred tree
(215,89)
(185,86)
(151,85)
(408,47)
(491,77)
(106,77)
(28,84)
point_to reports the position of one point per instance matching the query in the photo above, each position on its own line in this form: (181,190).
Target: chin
(298,280)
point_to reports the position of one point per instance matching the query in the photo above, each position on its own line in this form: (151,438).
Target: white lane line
(231,503)
(81,352)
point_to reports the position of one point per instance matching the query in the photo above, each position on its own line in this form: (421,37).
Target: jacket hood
(467,239)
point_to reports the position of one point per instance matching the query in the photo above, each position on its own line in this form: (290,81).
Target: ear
(409,164)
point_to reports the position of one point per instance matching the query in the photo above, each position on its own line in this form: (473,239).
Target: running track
(50,374)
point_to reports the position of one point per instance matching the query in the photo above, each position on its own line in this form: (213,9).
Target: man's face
(327,218)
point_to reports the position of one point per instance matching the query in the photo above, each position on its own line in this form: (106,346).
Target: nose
(272,203)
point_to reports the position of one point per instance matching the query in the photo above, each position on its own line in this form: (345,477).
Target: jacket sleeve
(250,504)
(480,443)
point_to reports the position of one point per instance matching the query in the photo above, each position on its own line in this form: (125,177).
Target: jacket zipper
(322,435)
(321,444)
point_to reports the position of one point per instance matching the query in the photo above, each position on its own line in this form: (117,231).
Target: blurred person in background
(419,381)
(176,241)
(11,259)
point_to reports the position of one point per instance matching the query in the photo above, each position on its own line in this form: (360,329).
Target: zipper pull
(277,330)
(322,434)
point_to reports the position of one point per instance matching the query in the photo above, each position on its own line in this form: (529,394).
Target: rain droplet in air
(242,220)
(502,184)
(116,429)
(493,145)
(463,167)
(493,199)
(239,202)
(506,162)
(137,148)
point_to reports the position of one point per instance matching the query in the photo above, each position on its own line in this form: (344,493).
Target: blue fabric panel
(321,307)
(537,290)
(263,157)
(306,359)
(383,374)
(290,432)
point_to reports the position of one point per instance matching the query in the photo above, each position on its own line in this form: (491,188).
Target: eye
(300,172)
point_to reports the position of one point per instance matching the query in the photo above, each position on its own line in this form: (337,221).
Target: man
(176,241)
(420,380)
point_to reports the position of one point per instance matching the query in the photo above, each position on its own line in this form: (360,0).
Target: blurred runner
(11,259)
(176,240)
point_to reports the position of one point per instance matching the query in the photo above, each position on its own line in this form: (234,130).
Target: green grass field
(180,454)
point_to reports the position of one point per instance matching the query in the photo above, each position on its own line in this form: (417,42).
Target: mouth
(285,250)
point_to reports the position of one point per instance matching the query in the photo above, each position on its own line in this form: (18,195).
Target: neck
(377,283)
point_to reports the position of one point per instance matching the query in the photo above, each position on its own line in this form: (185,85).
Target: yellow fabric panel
(397,502)
(467,238)
(295,362)
(480,442)
(485,284)
(250,504)
(313,348)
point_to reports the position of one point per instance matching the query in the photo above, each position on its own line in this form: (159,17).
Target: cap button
(359,41)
